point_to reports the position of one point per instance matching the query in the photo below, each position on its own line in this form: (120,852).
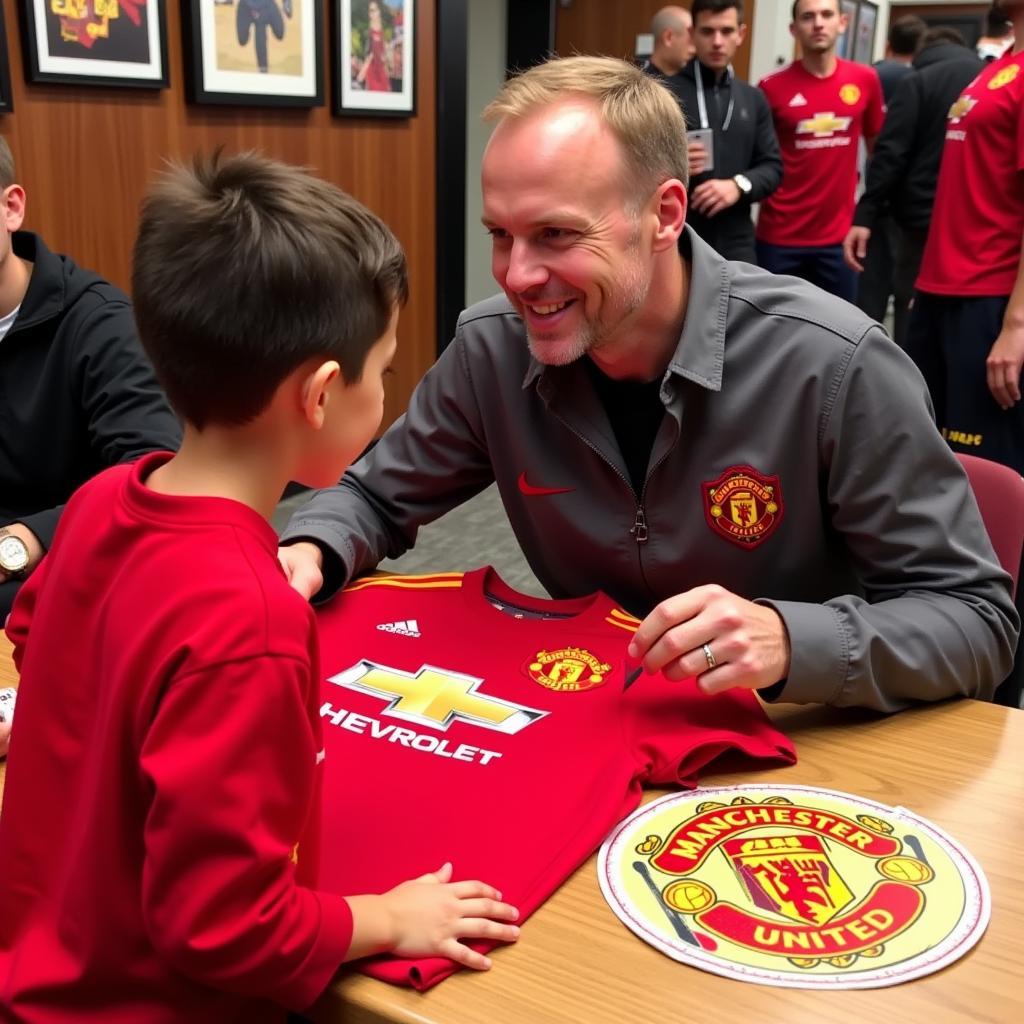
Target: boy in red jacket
(158,841)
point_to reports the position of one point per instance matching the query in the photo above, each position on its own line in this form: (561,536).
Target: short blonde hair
(642,114)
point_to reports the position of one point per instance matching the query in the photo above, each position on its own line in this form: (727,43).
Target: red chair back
(999,491)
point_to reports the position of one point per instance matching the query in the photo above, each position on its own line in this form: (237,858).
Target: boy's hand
(5,737)
(429,916)
(303,566)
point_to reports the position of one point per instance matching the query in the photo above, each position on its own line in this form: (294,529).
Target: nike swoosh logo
(533,492)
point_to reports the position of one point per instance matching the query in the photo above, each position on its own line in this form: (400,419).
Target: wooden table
(960,764)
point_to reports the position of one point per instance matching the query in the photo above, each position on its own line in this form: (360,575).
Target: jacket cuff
(42,524)
(863,217)
(819,654)
(335,572)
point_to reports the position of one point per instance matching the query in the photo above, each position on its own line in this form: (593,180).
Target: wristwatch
(742,183)
(13,554)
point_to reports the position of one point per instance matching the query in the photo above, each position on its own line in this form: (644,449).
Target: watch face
(13,554)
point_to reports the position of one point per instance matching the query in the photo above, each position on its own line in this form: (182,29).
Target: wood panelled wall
(611,27)
(85,154)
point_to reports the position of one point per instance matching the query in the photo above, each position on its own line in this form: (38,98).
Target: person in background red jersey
(822,107)
(966,329)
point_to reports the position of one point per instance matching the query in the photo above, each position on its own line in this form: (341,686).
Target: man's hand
(748,642)
(1003,366)
(303,564)
(698,155)
(855,247)
(31,541)
(714,196)
(5,738)
(431,916)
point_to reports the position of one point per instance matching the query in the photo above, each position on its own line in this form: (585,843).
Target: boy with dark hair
(168,713)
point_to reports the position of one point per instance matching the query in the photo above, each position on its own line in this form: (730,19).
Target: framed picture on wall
(864,38)
(254,52)
(93,42)
(374,57)
(844,44)
(6,98)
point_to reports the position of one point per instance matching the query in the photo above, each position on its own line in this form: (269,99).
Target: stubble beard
(593,335)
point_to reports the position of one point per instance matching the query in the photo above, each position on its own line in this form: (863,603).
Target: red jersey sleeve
(221,897)
(22,612)
(1020,142)
(679,731)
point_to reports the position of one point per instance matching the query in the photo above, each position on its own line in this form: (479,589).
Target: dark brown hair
(245,268)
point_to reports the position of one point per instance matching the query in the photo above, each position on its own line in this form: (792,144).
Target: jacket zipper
(638,531)
(639,527)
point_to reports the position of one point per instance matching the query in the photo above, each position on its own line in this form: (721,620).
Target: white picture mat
(85,66)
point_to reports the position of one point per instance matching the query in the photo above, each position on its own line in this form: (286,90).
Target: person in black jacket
(904,166)
(875,284)
(744,164)
(77,394)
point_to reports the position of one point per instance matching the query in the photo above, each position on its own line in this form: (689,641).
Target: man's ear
(13,207)
(315,391)
(669,207)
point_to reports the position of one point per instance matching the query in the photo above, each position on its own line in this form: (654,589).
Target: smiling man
(743,461)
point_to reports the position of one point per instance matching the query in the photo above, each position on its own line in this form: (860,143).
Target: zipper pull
(639,527)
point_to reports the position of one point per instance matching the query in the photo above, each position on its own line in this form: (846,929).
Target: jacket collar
(700,352)
(45,296)
(691,70)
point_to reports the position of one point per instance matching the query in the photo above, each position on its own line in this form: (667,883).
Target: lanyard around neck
(702,106)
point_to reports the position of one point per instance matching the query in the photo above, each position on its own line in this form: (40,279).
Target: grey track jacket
(876,556)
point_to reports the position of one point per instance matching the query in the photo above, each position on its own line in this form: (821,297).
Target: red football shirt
(974,243)
(160,822)
(498,736)
(819,122)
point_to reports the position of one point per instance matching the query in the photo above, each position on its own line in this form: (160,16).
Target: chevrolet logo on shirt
(436,697)
(961,109)
(823,125)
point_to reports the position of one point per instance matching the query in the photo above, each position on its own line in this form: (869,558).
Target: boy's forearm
(373,928)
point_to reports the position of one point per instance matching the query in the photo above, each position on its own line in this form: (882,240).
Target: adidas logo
(798,100)
(407,627)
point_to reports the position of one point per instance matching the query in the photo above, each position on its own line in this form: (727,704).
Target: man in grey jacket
(739,458)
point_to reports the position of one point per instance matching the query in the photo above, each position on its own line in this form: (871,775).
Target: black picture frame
(222,69)
(358,58)
(862,48)
(6,96)
(125,51)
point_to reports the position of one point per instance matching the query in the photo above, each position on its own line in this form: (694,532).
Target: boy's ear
(315,387)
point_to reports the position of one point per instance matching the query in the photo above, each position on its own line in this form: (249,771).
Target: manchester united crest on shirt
(793,886)
(567,670)
(849,94)
(1004,77)
(743,505)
